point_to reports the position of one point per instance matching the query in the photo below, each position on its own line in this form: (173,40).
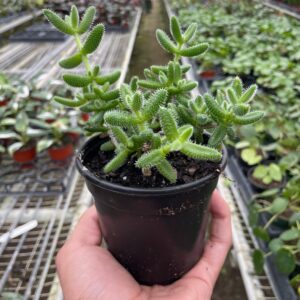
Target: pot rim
(62,147)
(84,171)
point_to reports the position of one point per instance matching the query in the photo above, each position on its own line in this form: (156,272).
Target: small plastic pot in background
(85,117)
(74,136)
(25,155)
(157,234)
(208,74)
(50,121)
(61,153)
(3,103)
(259,186)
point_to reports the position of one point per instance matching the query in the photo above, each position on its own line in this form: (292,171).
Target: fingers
(221,220)
(218,245)
(87,232)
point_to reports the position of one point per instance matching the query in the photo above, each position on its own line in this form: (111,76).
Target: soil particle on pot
(188,170)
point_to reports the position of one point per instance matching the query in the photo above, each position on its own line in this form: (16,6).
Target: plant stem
(271,220)
(84,57)
(177,56)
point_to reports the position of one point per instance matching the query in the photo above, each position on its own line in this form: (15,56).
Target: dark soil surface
(188,170)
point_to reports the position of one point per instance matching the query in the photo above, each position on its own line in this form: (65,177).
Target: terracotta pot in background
(3,102)
(85,117)
(61,153)
(208,74)
(74,136)
(25,155)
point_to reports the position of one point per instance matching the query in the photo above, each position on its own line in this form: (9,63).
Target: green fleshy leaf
(253,215)
(8,135)
(94,39)
(217,136)
(200,152)
(275,245)
(87,20)
(120,118)
(150,159)
(22,122)
(275,172)
(137,101)
(152,105)
(290,235)
(250,118)
(118,161)
(194,50)
(74,16)
(165,41)
(107,146)
(77,80)
(166,170)
(14,147)
(261,233)
(70,102)
(175,30)
(258,261)
(279,205)
(185,133)
(168,124)
(120,135)
(44,144)
(238,86)
(190,32)
(150,84)
(214,107)
(58,22)
(71,62)
(232,95)
(110,78)
(285,261)
(249,94)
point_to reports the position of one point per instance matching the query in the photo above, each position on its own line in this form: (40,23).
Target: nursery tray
(12,22)
(41,32)
(11,17)
(27,265)
(280,282)
(41,177)
(284,7)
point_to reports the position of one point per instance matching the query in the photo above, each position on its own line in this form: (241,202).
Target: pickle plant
(150,118)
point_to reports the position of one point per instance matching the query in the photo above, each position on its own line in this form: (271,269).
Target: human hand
(90,272)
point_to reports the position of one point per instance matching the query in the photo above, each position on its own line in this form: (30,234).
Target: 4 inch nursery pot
(157,234)
(61,153)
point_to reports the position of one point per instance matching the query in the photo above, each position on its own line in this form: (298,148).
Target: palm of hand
(89,272)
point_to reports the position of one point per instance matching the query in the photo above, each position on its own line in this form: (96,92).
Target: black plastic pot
(260,187)
(157,234)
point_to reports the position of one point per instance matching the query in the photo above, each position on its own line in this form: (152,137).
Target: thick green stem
(84,57)
(178,56)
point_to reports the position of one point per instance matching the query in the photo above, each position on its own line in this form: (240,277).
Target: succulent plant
(152,117)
